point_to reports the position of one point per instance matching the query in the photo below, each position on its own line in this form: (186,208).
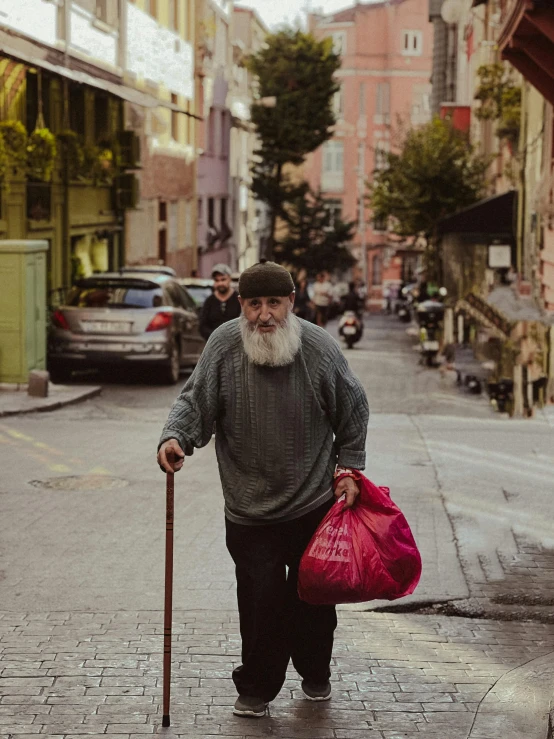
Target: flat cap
(264,280)
(221,269)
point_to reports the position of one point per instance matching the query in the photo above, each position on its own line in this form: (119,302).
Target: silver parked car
(198,288)
(125,319)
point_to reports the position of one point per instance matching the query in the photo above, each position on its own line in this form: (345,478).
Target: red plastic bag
(362,553)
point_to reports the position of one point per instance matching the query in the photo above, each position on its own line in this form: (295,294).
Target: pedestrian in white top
(323,297)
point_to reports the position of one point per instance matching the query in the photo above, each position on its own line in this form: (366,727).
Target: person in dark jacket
(303,306)
(223,305)
(352,301)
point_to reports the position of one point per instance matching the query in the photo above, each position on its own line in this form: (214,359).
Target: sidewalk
(14,399)
(398,676)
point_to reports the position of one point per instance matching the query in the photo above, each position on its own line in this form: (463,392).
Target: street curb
(55,404)
(519,704)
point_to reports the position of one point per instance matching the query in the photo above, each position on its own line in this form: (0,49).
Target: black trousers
(275,625)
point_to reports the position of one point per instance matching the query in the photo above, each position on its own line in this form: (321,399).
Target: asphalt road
(82,501)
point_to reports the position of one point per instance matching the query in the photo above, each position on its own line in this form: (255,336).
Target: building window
(333,166)
(173,15)
(339,42)
(162,211)
(376,269)
(200,211)
(379,224)
(188,222)
(412,43)
(338,103)
(151,7)
(172,227)
(211,212)
(174,119)
(382,103)
(421,106)
(333,156)
(77,109)
(101,118)
(106,11)
(334,207)
(381,155)
(361,99)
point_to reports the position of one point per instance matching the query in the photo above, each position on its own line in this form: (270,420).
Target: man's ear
(241,301)
(292,297)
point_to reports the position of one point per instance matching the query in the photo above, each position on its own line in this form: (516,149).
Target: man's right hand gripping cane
(170,456)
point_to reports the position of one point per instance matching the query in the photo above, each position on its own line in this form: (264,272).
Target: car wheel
(172,369)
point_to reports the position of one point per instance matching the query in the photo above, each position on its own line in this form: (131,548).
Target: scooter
(350,328)
(404,304)
(502,392)
(429,316)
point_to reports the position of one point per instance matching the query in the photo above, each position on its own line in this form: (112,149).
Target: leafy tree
(436,173)
(298,71)
(315,239)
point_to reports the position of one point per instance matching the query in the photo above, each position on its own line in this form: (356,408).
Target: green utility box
(22,308)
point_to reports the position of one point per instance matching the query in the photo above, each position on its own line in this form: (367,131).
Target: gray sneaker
(247,705)
(316,691)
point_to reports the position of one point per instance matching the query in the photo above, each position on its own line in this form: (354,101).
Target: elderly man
(287,410)
(223,305)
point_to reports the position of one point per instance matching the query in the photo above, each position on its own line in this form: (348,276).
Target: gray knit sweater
(280,431)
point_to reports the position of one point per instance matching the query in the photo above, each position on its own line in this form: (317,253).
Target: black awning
(496,216)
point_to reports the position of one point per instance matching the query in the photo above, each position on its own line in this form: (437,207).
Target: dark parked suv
(127,318)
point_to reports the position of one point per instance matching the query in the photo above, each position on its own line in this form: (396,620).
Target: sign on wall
(158,54)
(500,256)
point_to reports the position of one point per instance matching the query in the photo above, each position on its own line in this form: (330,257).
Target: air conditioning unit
(126,191)
(129,144)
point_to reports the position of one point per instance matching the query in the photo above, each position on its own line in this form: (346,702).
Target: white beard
(273,349)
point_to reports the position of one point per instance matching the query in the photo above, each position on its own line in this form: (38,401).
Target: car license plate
(430,346)
(349,330)
(106,327)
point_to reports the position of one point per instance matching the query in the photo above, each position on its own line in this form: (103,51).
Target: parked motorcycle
(429,316)
(502,392)
(404,303)
(350,328)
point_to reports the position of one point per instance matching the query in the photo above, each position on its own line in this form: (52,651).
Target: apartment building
(386,50)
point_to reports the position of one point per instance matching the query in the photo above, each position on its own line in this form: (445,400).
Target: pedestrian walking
(323,297)
(223,305)
(289,413)
(303,306)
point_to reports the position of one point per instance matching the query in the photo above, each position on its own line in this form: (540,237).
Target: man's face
(222,283)
(266,314)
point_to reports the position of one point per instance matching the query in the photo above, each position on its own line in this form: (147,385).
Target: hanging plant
(14,136)
(71,153)
(41,154)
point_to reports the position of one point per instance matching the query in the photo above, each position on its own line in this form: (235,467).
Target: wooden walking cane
(168,607)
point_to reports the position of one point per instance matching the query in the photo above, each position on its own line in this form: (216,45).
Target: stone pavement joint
(399,676)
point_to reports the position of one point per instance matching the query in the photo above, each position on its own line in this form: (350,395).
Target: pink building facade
(386,50)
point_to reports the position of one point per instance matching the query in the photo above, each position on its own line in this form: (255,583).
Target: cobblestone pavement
(81,531)
(398,676)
